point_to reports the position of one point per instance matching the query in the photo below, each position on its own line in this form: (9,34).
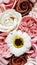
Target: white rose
(9,20)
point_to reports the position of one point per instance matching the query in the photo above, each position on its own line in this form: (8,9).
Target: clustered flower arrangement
(18,32)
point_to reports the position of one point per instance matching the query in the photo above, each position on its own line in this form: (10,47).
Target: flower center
(18,42)
(23,5)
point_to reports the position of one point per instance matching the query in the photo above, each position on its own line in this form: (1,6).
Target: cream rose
(9,20)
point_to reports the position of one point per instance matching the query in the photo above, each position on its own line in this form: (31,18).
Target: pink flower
(4,52)
(7,4)
(3,61)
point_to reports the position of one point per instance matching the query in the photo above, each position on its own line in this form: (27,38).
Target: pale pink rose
(4,52)
(3,61)
(33,1)
(7,4)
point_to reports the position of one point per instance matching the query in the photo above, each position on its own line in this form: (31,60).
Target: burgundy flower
(24,6)
(21,60)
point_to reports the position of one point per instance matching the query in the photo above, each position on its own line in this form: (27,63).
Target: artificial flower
(9,20)
(31,61)
(33,52)
(2,9)
(4,51)
(18,42)
(24,6)
(21,60)
(3,61)
(28,24)
(33,12)
(34,1)
(8,4)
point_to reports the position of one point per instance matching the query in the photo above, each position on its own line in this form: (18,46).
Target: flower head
(9,20)
(31,61)
(18,42)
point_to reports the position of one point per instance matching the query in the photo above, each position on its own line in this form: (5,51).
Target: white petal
(27,40)
(16,51)
(19,33)
(26,36)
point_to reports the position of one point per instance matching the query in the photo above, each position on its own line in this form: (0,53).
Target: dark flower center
(18,42)
(23,5)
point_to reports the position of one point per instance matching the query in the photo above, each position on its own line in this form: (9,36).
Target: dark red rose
(21,60)
(24,6)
